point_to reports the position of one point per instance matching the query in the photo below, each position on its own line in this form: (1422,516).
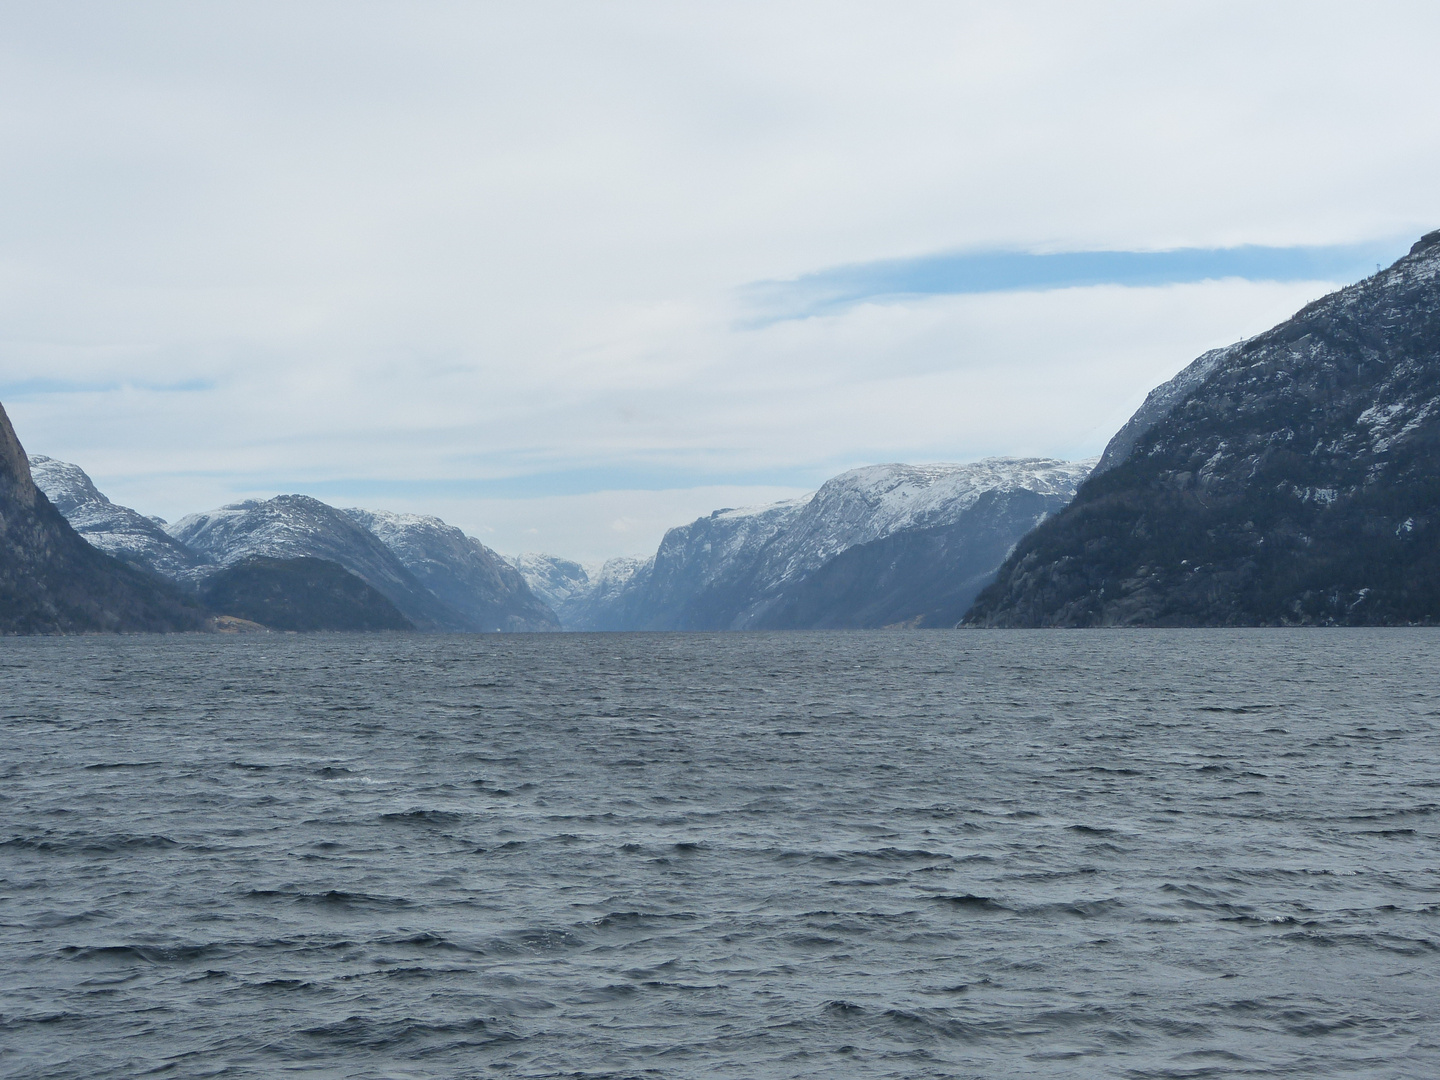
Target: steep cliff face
(1295,481)
(459,570)
(948,527)
(116,530)
(53,581)
(295,526)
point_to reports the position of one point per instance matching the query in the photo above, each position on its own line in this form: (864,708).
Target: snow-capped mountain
(460,571)
(553,579)
(1288,479)
(435,575)
(749,568)
(291,526)
(610,588)
(116,530)
(579,595)
(53,581)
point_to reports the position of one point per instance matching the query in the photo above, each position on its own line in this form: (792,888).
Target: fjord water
(935,854)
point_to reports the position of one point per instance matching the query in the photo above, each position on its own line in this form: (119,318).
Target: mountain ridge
(52,581)
(748,568)
(1295,482)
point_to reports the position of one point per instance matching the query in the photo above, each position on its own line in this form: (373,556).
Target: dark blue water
(1118,854)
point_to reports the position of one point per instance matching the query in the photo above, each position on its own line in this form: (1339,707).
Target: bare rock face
(1292,479)
(53,582)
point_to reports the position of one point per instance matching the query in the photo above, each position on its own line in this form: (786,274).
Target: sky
(568,274)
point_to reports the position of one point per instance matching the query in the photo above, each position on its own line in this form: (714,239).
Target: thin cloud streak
(826,292)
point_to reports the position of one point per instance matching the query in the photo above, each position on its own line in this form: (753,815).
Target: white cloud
(459,242)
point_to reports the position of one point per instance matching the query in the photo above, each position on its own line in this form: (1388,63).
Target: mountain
(299,594)
(555,581)
(476,589)
(459,570)
(116,530)
(52,581)
(602,604)
(1291,479)
(918,542)
(915,577)
(292,526)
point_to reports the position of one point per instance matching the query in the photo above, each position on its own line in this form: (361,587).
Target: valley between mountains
(1290,479)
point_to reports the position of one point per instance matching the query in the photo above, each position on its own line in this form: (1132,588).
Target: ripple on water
(1142,854)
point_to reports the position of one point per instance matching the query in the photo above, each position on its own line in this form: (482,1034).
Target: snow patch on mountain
(459,570)
(114,529)
(290,526)
(554,580)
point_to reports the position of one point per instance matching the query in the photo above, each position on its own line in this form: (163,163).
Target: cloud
(492,254)
(960,273)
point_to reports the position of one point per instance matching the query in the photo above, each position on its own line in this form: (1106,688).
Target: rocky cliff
(1292,479)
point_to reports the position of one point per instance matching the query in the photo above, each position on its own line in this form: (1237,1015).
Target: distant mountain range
(423,573)
(1290,479)
(880,546)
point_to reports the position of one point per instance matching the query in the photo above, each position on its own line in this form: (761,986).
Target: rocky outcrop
(460,571)
(52,581)
(1294,481)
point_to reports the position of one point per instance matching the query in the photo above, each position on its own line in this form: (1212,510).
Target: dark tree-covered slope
(300,594)
(53,582)
(1294,481)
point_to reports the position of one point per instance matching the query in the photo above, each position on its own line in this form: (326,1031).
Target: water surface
(937,854)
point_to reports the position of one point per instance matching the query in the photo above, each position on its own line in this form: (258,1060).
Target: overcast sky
(568,274)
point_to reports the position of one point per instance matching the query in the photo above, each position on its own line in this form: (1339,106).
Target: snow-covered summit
(116,530)
(872,502)
(735,567)
(292,526)
(460,570)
